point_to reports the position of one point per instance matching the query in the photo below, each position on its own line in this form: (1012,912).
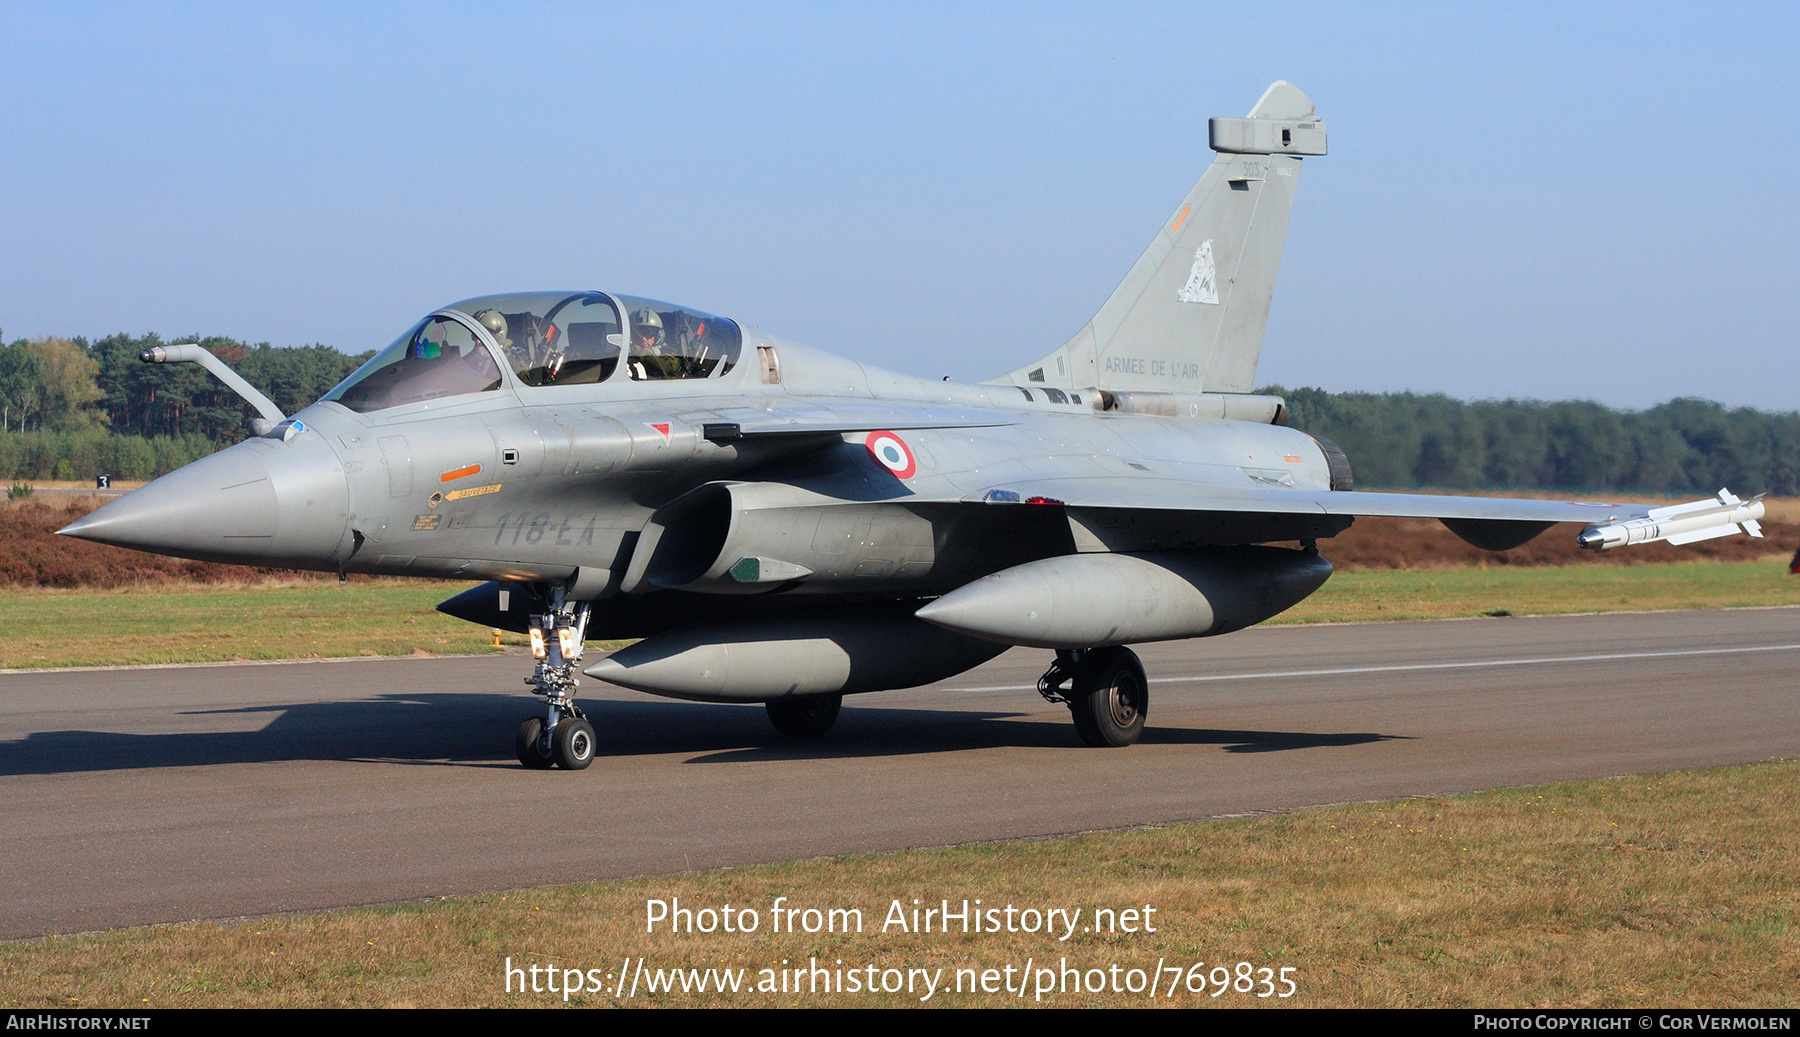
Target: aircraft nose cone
(261,502)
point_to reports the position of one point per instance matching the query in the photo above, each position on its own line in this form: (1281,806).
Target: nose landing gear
(564,737)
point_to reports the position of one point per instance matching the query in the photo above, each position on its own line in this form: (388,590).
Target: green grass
(218,623)
(1675,890)
(1446,593)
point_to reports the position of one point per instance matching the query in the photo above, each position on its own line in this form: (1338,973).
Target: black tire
(573,744)
(530,744)
(805,716)
(1112,698)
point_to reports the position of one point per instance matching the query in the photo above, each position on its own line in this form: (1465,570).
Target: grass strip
(164,623)
(1677,889)
(1449,593)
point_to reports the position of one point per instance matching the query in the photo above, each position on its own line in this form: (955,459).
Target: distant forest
(1684,446)
(72,409)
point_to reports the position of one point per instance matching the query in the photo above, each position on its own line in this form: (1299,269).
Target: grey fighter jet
(776,524)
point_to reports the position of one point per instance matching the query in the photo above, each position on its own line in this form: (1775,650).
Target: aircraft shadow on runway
(475,730)
(934,731)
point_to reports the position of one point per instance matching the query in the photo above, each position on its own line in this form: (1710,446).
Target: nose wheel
(563,737)
(572,744)
(1106,691)
(532,745)
(569,745)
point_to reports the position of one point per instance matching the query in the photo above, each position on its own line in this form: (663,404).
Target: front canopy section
(439,357)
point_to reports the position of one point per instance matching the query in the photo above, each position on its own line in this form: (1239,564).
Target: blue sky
(1549,201)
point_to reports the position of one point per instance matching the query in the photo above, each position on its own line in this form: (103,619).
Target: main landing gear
(564,737)
(1107,694)
(804,716)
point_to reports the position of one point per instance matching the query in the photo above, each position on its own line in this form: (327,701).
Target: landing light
(568,642)
(537,643)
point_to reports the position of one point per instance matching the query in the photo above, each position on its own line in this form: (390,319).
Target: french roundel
(890,452)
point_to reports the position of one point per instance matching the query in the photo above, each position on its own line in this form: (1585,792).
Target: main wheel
(573,744)
(1112,697)
(805,716)
(532,747)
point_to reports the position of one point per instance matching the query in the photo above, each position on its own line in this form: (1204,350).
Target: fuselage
(559,483)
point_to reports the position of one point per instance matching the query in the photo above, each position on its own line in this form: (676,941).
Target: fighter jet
(775,524)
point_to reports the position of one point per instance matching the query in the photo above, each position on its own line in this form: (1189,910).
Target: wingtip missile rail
(1680,524)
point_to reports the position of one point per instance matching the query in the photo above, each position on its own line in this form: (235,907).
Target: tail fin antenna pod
(1189,317)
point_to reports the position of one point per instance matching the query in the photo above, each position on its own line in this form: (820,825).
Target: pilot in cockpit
(649,344)
(495,322)
(521,352)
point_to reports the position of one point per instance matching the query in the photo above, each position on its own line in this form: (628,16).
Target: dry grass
(79,485)
(1400,543)
(1678,889)
(34,556)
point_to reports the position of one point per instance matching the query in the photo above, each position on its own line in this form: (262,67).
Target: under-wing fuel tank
(1091,600)
(794,653)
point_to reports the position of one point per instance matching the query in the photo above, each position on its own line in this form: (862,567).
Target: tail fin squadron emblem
(1201,286)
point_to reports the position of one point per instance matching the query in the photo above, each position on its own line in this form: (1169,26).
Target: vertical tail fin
(1189,317)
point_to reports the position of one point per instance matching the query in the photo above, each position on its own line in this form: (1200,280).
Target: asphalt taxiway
(133,796)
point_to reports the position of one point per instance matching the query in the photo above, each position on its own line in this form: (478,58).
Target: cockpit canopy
(544,339)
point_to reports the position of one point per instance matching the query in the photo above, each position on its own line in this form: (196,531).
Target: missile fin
(1694,536)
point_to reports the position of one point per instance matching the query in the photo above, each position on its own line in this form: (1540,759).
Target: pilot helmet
(495,322)
(646,324)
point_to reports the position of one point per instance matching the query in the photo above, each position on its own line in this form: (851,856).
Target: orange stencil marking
(1179,220)
(458,473)
(1291,458)
(473,491)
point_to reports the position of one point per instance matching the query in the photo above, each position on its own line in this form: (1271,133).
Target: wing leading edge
(1491,523)
(838,418)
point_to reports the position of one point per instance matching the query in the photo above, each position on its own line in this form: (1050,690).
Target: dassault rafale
(771,523)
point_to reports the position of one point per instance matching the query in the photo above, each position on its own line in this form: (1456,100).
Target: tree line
(73,409)
(1683,446)
(72,385)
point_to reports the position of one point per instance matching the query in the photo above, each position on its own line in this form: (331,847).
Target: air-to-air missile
(1680,524)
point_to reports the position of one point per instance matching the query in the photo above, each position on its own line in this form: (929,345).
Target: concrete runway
(145,795)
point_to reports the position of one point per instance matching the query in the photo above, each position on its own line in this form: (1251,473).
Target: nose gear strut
(565,737)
